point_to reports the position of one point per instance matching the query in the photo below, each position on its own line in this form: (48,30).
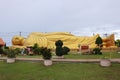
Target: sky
(75,16)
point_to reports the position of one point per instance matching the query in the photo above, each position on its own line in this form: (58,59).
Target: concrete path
(63,60)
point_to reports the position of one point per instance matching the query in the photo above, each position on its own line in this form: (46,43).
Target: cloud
(102,29)
(84,16)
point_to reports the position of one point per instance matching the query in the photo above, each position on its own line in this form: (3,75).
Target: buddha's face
(18,40)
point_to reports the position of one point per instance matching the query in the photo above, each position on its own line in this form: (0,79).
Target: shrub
(59,43)
(11,53)
(117,43)
(65,50)
(6,47)
(59,50)
(97,51)
(35,46)
(36,49)
(1,50)
(98,41)
(17,50)
(46,53)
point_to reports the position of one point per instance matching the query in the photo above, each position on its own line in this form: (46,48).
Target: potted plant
(47,55)
(105,62)
(11,55)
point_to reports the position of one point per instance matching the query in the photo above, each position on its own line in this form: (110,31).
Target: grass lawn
(58,71)
(80,56)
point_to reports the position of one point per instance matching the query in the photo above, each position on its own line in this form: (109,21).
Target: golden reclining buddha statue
(69,40)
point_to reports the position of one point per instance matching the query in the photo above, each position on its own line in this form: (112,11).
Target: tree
(36,49)
(1,50)
(99,41)
(117,43)
(98,49)
(59,49)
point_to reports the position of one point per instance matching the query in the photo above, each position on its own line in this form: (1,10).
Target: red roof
(2,43)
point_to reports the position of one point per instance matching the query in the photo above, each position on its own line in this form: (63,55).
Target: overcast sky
(95,16)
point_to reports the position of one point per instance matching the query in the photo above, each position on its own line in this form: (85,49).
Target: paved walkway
(63,60)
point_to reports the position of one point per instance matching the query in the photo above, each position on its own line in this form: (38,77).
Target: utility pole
(20,33)
(106,34)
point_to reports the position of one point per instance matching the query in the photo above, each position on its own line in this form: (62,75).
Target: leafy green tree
(59,49)
(1,50)
(117,43)
(98,49)
(99,41)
